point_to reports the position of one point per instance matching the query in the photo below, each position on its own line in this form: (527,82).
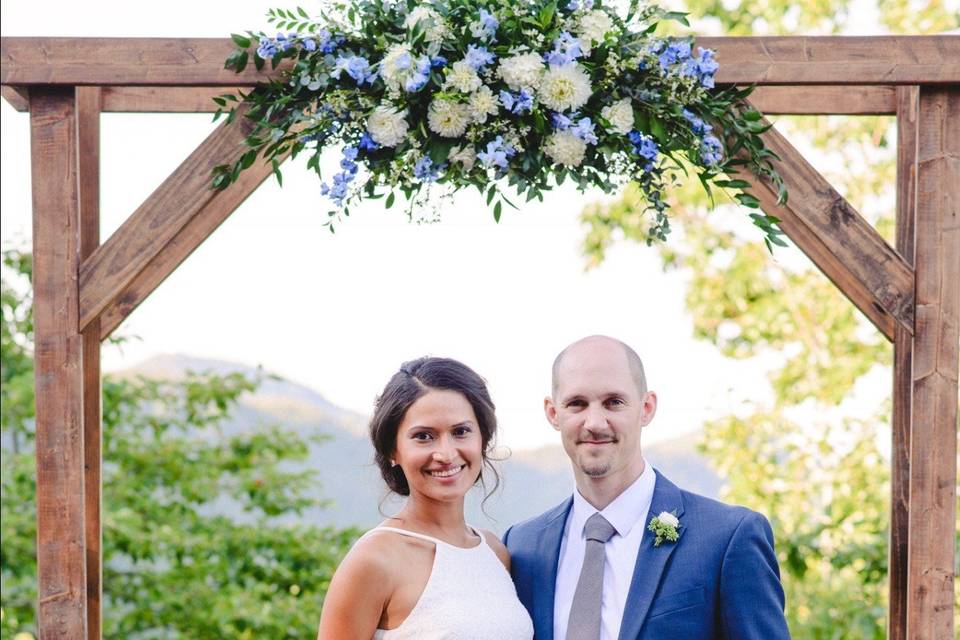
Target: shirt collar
(625,510)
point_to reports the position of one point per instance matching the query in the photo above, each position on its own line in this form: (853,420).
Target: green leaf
(302,12)
(497,210)
(241,41)
(389,201)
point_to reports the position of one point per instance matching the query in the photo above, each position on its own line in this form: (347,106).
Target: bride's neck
(443,520)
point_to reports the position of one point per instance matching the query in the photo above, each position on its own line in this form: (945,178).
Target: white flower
(465,156)
(566,87)
(620,116)
(448,118)
(566,148)
(433,26)
(668,518)
(462,77)
(387,126)
(483,103)
(593,27)
(521,71)
(395,66)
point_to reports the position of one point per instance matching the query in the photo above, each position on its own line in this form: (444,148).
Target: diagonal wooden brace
(165,229)
(849,251)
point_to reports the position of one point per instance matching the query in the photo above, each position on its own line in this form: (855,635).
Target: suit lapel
(651,560)
(545,582)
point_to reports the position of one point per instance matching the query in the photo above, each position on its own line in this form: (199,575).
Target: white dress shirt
(628,515)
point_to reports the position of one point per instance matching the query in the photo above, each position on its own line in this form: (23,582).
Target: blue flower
(425,170)
(267,48)
(560,121)
(584,130)
(517,104)
(357,67)
(676,51)
(645,147)
(486,27)
(438,61)
(707,66)
(284,42)
(327,43)
(573,5)
(711,150)
(341,182)
(367,143)
(696,123)
(478,57)
(497,154)
(309,44)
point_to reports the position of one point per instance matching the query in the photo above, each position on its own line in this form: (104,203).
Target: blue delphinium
(520,103)
(561,122)
(711,150)
(574,5)
(268,48)
(341,181)
(357,67)
(478,57)
(566,48)
(584,130)
(437,62)
(426,170)
(367,143)
(486,27)
(497,154)
(676,51)
(707,66)
(645,147)
(420,73)
(696,123)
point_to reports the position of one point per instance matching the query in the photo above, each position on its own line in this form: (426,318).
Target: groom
(590,569)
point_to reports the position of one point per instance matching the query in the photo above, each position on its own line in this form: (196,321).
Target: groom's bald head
(602,342)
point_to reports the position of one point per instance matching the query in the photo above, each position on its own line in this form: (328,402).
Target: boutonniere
(666,526)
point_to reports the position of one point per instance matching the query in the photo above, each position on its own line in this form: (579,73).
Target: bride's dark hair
(414,379)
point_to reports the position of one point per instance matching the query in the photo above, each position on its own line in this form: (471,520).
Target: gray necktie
(584,621)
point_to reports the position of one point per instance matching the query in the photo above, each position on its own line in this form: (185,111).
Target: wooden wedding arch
(84,289)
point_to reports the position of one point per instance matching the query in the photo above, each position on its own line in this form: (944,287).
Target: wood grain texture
(16,97)
(181,246)
(839,241)
(61,548)
(936,351)
(825,100)
(908,103)
(185,193)
(766,60)
(88,172)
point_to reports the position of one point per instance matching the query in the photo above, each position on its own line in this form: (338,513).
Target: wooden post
(933,445)
(61,547)
(907,107)
(88,171)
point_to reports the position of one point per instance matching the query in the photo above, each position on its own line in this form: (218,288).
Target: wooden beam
(61,562)
(189,237)
(908,104)
(88,171)
(838,240)
(816,100)
(16,97)
(936,351)
(164,99)
(869,60)
(141,238)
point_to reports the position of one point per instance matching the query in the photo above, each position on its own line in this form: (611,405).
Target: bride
(425,573)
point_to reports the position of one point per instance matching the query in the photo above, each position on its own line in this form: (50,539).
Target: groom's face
(599,410)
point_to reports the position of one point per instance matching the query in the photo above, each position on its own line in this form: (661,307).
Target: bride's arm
(358,594)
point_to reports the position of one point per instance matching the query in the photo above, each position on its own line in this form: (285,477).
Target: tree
(810,451)
(199,532)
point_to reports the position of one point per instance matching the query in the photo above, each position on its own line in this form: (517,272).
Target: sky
(340,313)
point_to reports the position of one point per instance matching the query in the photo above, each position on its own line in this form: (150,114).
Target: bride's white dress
(469,596)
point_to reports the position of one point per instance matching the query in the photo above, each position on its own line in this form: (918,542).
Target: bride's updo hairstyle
(409,384)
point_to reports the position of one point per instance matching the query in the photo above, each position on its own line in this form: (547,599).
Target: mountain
(531,480)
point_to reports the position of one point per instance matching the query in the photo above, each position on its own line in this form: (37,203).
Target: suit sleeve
(751,596)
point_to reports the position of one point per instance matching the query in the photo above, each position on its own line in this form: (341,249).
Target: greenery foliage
(454,94)
(199,533)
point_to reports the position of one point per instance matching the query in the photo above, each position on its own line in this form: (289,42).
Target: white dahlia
(387,126)
(483,103)
(566,148)
(462,77)
(593,27)
(565,87)
(465,156)
(620,116)
(448,118)
(522,71)
(433,25)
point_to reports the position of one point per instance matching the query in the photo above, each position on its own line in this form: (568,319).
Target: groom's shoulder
(723,517)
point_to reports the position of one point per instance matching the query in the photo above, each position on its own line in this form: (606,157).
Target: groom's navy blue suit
(720,580)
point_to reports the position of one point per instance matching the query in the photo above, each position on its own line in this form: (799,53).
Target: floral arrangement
(666,527)
(431,97)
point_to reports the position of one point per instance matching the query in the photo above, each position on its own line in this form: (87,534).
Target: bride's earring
(393,463)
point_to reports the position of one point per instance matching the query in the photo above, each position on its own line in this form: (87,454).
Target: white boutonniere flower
(666,527)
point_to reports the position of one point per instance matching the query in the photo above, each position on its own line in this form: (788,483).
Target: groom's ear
(550,410)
